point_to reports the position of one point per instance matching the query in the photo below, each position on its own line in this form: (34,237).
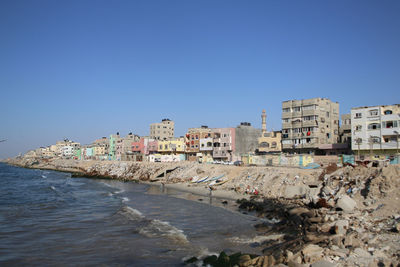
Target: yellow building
(172,146)
(270,142)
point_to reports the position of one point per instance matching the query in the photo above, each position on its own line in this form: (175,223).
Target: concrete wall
(246,140)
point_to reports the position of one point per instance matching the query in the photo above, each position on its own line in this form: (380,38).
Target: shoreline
(332,216)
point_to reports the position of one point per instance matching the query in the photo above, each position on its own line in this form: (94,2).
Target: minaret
(264,121)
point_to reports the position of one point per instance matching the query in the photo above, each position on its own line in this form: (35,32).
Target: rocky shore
(348,216)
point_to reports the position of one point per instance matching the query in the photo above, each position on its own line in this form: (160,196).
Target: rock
(223,259)
(362,253)
(323,263)
(299,211)
(244,259)
(346,203)
(295,191)
(352,241)
(341,227)
(312,253)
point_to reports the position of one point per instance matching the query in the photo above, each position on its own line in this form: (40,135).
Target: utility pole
(397,142)
(358,141)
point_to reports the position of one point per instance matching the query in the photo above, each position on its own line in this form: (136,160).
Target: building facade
(308,124)
(163,130)
(246,139)
(375,130)
(224,144)
(269,142)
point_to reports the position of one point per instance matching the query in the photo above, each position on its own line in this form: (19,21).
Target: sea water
(48,218)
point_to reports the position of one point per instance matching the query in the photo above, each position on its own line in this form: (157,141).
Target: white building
(67,151)
(375,130)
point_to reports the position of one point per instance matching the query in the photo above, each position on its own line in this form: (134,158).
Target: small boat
(202,180)
(213,178)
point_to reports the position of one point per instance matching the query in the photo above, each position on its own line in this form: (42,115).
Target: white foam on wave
(125,199)
(257,239)
(131,213)
(44,176)
(154,228)
(157,228)
(53,188)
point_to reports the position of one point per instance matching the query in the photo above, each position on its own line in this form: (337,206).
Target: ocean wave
(125,199)
(44,176)
(153,228)
(131,213)
(52,188)
(157,228)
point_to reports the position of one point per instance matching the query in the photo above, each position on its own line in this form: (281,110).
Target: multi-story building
(309,124)
(114,145)
(124,150)
(173,146)
(375,130)
(193,142)
(163,130)
(345,129)
(224,144)
(269,142)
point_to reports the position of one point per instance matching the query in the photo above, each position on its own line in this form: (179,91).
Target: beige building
(163,130)
(269,142)
(310,125)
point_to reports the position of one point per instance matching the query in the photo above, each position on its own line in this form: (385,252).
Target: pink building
(224,146)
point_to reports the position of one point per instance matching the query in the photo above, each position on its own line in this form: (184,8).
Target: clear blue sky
(86,69)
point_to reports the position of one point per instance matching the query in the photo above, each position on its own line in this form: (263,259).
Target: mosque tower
(264,121)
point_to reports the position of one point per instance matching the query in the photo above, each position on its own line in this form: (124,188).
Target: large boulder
(346,203)
(293,191)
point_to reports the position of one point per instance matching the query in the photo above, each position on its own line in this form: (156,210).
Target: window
(285,120)
(373,112)
(374,126)
(286,110)
(309,107)
(389,124)
(264,144)
(273,145)
(388,112)
(358,115)
(358,128)
(297,109)
(327,114)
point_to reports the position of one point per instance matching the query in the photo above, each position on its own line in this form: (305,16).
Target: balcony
(309,112)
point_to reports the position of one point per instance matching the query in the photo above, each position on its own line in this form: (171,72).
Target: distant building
(193,140)
(269,142)
(310,125)
(224,144)
(163,130)
(375,130)
(114,146)
(246,139)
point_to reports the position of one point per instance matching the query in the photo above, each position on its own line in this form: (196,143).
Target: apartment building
(193,140)
(224,143)
(375,130)
(163,130)
(309,125)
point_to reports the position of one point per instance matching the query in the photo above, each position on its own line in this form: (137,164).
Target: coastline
(336,216)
